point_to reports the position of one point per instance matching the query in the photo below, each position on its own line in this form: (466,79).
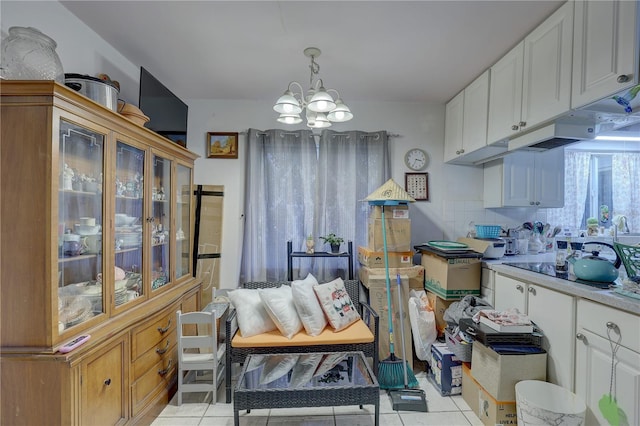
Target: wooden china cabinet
(96,226)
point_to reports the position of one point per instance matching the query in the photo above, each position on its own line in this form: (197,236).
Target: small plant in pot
(334,241)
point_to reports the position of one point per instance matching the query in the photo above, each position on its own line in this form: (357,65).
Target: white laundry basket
(542,403)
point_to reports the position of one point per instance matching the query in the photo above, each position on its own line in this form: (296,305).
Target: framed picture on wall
(417,185)
(222,145)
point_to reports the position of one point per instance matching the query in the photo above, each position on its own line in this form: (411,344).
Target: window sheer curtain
(576,182)
(295,188)
(625,176)
(280,178)
(351,165)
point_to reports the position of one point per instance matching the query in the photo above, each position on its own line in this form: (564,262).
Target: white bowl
(87,229)
(123,219)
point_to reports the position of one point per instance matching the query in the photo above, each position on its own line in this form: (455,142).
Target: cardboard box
(398,234)
(375,259)
(439,305)
(374,284)
(489,410)
(452,278)
(446,370)
(498,374)
(390,212)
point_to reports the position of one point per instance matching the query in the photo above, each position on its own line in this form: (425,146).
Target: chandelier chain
(315,69)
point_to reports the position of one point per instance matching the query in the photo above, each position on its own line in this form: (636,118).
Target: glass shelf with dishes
(161,222)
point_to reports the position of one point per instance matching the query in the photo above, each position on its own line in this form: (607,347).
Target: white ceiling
(405,51)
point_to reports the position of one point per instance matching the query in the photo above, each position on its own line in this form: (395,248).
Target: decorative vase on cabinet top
(28,54)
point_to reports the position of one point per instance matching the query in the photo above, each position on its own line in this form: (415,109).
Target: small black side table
(291,254)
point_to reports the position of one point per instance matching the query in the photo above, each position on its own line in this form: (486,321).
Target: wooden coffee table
(342,378)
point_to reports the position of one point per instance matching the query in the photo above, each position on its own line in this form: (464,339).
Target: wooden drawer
(594,317)
(161,351)
(151,333)
(155,380)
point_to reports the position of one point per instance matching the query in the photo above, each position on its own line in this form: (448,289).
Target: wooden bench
(360,336)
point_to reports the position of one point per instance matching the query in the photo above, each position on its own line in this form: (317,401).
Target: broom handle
(387,281)
(404,357)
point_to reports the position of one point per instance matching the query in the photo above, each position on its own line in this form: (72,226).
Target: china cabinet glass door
(183,220)
(80,219)
(160,222)
(129,213)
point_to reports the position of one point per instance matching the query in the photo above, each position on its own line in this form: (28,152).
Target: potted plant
(334,241)
(592,226)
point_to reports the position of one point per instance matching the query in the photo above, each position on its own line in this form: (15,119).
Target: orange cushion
(358,332)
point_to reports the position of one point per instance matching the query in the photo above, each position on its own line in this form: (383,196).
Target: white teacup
(71,237)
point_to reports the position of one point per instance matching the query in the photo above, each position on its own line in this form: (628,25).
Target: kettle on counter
(594,267)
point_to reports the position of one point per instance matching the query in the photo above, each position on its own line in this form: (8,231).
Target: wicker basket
(630,256)
(461,349)
(488,231)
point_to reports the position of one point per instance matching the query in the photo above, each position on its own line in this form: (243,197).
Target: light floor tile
(302,411)
(355,410)
(439,419)
(461,403)
(177,421)
(362,420)
(226,410)
(473,418)
(228,421)
(187,409)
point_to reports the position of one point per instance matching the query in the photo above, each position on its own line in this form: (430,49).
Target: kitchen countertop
(606,297)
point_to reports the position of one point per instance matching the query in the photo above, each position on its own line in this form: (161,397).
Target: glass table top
(302,371)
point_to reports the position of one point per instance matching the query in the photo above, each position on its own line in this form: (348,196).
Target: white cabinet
(532,83)
(606,51)
(525,179)
(466,119)
(595,323)
(553,313)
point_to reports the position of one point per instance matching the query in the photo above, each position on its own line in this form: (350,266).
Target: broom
(391,370)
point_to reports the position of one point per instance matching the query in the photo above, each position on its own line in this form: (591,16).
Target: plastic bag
(423,324)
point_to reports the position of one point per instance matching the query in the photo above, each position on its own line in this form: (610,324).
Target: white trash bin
(542,403)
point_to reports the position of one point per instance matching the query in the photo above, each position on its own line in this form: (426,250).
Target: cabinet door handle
(624,78)
(149,219)
(613,326)
(107,382)
(162,351)
(523,124)
(514,127)
(531,203)
(462,151)
(537,203)
(580,336)
(164,330)
(458,152)
(166,370)
(532,290)
(519,288)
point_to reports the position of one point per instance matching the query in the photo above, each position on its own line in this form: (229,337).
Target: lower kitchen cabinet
(104,386)
(599,330)
(553,312)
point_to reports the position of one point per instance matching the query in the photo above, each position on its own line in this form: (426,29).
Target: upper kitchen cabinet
(466,124)
(525,179)
(607,48)
(532,83)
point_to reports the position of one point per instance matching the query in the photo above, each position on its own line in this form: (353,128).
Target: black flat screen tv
(167,113)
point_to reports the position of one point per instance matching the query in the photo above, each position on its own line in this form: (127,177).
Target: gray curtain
(280,189)
(295,187)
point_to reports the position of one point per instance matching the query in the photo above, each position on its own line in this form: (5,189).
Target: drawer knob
(166,370)
(164,330)
(162,351)
(107,382)
(532,290)
(519,288)
(523,124)
(514,127)
(580,336)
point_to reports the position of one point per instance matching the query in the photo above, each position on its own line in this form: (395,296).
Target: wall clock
(416,159)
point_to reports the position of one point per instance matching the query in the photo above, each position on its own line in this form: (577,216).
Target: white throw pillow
(252,316)
(337,304)
(277,366)
(278,303)
(308,306)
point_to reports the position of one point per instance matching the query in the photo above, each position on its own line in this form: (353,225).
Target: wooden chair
(197,353)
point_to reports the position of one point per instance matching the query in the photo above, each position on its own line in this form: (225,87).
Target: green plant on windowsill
(334,241)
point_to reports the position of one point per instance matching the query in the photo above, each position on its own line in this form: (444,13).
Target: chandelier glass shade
(321,109)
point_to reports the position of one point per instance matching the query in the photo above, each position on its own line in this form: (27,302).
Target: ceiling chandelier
(321,109)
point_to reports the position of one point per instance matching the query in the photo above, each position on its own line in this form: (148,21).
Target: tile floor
(196,411)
